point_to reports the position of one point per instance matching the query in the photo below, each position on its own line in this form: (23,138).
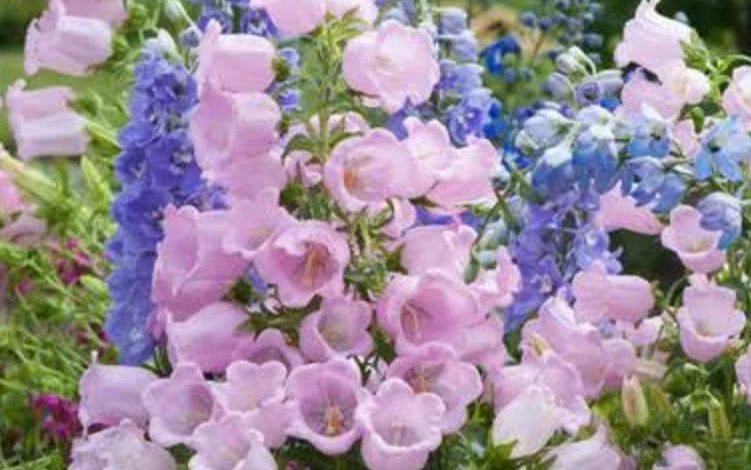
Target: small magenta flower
(122,447)
(305,259)
(339,328)
(257,391)
(401,427)
(270,345)
(110,394)
(59,416)
(178,405)
(708,320)
(435,368)
(694,245)
(324,399)
(230,444)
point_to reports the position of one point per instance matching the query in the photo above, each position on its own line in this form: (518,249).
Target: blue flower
(554,171)
(722,212)
(494,54)
(595,158)
(647,181)
(723,150)
(651,136)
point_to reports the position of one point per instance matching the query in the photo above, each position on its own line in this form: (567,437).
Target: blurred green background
(724,24)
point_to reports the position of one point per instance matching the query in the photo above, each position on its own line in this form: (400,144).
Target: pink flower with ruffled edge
(416,310)
(694,245)
(119,447)
(435,368)
(254,223)
(401,428)
(708,320)
(236,63)
(496,288)
(339,328)
(594,452)
(437,247)
(293,17)
(193,268)
(270,345)
(208,338)
(680,457)
(228,128)
(109,11)
(64,43)
(737,97)
(394,64)
(622,298)
(257,392)
(365,171)
(229,444)
(110,394)
(621,212)
(324,399)
(467,180)
(305,259)
(430,146)
(640,91)
(178,405)
(246,179)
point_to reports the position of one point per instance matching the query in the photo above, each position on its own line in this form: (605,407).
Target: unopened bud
(634,402)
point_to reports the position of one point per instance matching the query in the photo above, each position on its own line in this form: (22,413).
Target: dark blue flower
(722,212)
(726,146)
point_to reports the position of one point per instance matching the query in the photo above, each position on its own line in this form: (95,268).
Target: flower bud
(164,43)
(719,425)
(175,11)
(634,402)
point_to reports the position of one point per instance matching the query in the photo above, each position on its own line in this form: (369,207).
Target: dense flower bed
(348,235)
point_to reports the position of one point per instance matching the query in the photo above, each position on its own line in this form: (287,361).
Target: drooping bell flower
(694,245)
(229,444)
(109,11)
(594,452)
(122,446)
(269,346)
(617,297)
(339,328)
(437,247)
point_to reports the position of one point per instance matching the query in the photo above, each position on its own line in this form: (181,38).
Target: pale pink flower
(324,399)
(178,405)
(437,247)
(650,39)
(109,11)
(623,298)
(690,85)
(467,178)
(43,123)
(737,97)
(257,392)
(26,230)
(592,453)
(119,447)
(435,368)
(208,338)
(339,328)
(110,394)
(743,373)
(694,245)
(680,457)
(496,288)
(11,200)
(404,217)
(249,178)
(364,171)
(193,268)
(269,346)
(639,92)
(254,222)
(231,127)
(394,64)
(229,444)
(236,63)
(401,428)
(684,135)
(430,145)
(620,212)
(708,320)
(68,44)
(305,259)
(293,17)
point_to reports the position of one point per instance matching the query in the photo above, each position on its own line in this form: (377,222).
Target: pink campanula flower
(366,10)
(229,444)
(11,200)
(708,319)
(435,306)
(269,346)
(109,11)
(694,245)
(619,212)
(304,259)
(680,457)
(178,405)
(743,373)
(254,222)
(65,43)
(401,428)
(257,392)
(44,124)
(193,268)
(324,399)
(737,97)
(639,92)
(690,85)
(208,338)
(110,394)
(120,447)
(231,127)
(622,298)
(394,64)
(496,288)
(364,171)
(529,420)
(435,368)
(404,217)
(26,230)
(339,328)
(430,145)
(592,453)
(235,63)
(249,178)
(446,248)
(293,17)
(684,136)
(466,180)
(652,40)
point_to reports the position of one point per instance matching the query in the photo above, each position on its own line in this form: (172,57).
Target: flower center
(333,421)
